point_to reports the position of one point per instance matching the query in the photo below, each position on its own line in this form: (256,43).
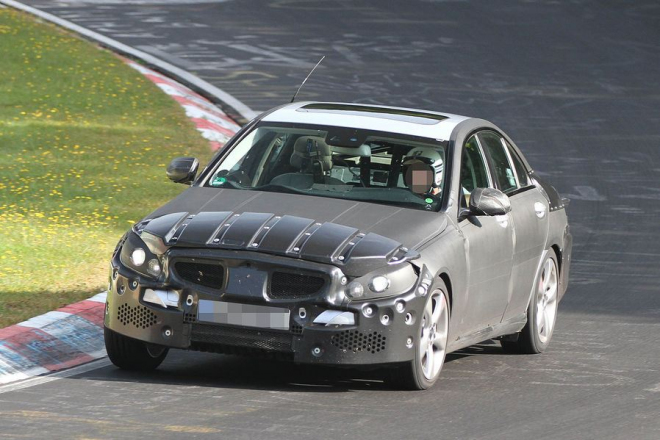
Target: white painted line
(213,136)
(246,112)
(44,320)
(20,375)
(196,112)
(11,374)
(35,381)
(100,297)
(220,127)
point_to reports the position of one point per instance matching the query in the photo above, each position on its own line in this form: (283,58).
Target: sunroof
(412,116)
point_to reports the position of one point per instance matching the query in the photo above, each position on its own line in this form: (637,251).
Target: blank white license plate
(247,315)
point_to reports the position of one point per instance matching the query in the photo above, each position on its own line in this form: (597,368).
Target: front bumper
(381,337)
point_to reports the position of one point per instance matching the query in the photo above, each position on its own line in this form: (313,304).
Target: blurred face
(420,177)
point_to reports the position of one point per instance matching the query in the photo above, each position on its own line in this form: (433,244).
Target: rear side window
(503,171)
(521,171)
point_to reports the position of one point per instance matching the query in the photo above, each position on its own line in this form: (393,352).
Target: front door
(488,245)
(529,216)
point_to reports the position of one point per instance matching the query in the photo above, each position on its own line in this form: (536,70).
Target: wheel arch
(557,249)
(444,276)
(557,252)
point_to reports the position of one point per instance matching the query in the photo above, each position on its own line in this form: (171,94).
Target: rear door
(488,246)
(528,216)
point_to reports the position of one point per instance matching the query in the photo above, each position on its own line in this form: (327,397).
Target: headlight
(154,267)
(138,256)
(389,281)
(379,284)
(135,253)
(354,290)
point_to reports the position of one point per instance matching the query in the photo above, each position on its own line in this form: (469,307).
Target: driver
(422,171)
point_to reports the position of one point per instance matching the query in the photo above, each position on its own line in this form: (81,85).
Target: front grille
(286,285)
(205,274)
(262,340)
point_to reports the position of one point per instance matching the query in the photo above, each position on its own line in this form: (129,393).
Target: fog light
(163,298)
(335,317)
(154,267)
(138,256)
(354,290)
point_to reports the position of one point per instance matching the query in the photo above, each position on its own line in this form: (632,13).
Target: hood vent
(353,251)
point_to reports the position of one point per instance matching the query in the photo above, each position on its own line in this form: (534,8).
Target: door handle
(540,209)
(502,220)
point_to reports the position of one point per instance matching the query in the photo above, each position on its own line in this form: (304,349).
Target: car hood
(357,236)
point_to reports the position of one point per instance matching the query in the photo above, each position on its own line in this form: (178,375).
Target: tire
(423,371)
(541,312)
(131,354)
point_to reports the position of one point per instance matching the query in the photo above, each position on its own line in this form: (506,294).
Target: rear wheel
(541,312)
(430,346)
(131,354)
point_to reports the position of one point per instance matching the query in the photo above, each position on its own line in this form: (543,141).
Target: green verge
(84,141)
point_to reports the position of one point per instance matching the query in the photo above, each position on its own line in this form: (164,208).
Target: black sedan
(349,235)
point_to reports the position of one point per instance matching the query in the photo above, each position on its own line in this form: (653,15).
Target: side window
(473,167)
(502,168)
(521,171)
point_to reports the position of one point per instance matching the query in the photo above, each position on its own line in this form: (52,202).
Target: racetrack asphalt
(576,85)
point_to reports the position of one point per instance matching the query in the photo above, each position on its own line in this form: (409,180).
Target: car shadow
(194,369)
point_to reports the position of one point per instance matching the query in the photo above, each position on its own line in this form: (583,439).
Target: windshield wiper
(278,188)
(267,188)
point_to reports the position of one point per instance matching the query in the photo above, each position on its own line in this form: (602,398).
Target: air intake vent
(356,342)
(189,318)
(296,329)
(205,274)
(266,340)
(286,285)
(139,316)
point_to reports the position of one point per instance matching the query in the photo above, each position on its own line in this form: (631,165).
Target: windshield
(361,165)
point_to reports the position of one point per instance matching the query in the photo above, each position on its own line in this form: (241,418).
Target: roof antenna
(305,80)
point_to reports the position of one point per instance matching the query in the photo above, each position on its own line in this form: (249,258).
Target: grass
(84,141)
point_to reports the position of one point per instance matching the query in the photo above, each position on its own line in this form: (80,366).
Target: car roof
(423,123)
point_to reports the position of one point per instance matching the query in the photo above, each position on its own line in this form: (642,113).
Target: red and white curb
(212,122)
(64,338)
(73,335)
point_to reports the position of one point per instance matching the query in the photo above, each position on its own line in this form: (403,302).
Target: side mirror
(489,201)
(183,169)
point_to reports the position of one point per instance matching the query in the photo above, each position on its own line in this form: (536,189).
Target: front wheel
(541,312)
(430,345)
(131,354)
